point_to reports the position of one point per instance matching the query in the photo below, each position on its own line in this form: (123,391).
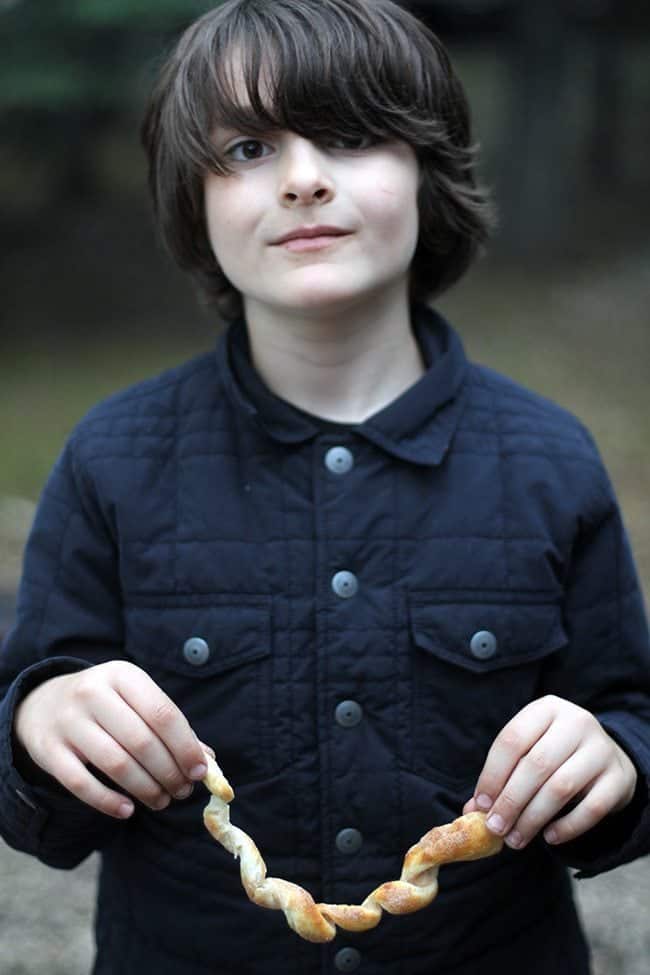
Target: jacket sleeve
(69,616)
(606,669)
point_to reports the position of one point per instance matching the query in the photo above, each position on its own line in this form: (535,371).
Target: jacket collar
(418,426)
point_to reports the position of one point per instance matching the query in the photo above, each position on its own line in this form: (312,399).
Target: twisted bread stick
(467,838)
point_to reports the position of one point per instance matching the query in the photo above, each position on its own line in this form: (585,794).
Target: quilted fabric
(199,505)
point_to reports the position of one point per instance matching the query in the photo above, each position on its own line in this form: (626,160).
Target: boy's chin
(324,296)
(321,284)
(332,297)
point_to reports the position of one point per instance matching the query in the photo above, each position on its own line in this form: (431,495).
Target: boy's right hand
(116,718)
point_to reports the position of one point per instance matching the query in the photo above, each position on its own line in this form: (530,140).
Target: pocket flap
(485,636)
(199,636)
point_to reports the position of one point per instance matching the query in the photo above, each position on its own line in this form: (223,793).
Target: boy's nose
(304,179)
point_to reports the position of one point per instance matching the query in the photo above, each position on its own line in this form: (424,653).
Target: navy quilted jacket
(349,616)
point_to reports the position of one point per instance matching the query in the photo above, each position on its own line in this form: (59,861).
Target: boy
(383,583)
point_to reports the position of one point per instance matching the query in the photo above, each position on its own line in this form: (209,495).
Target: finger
(533,770)
(470,806)
(571,779)
(108,756)
(207,748)
(75,777)
(515,739)
(164,718)
(126,727)
(597,804)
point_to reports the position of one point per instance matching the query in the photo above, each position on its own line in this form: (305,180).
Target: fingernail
(198,771)
(125,810)
(484,802)
(185,792)
(496,824)
(206,748)
(550,836)
(514,839)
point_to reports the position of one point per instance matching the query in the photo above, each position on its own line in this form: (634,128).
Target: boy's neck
(342,366)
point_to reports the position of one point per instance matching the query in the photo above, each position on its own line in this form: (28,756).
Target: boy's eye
(353,142)
(248,150)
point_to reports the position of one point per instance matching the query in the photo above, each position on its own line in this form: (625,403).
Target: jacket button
(345,584)
(339,460)
(483,645)
(348,714)
(347,960)
(196,651)
(349,841)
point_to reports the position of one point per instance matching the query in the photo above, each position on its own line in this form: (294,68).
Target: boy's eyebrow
(238,116)
(223,133)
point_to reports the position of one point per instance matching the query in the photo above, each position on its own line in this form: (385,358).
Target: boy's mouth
(304,244)
(310,238)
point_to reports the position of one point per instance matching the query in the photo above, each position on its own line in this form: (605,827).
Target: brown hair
(330,69)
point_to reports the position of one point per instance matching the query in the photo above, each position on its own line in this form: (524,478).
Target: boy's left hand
(550,753)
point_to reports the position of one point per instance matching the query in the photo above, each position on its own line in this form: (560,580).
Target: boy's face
(364,199)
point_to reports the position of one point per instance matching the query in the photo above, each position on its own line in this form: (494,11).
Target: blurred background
(89,302)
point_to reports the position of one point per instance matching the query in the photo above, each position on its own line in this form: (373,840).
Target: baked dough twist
(467,838)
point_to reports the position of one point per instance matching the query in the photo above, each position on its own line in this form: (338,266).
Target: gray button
(349,841)
(347,960)
(483,645)
(339,460)
(348,714)
(345,584)
(196,651)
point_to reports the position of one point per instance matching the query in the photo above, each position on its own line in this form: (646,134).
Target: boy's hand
(550,753)
(116,718)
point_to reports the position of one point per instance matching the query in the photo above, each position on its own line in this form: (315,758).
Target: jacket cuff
(28,795)
(623,836)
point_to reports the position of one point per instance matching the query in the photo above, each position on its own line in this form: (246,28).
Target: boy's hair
(325,69)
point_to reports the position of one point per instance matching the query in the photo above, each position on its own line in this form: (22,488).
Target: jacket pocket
(474,666)
(213,656)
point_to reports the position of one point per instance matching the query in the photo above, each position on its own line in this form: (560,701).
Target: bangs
(325,69)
